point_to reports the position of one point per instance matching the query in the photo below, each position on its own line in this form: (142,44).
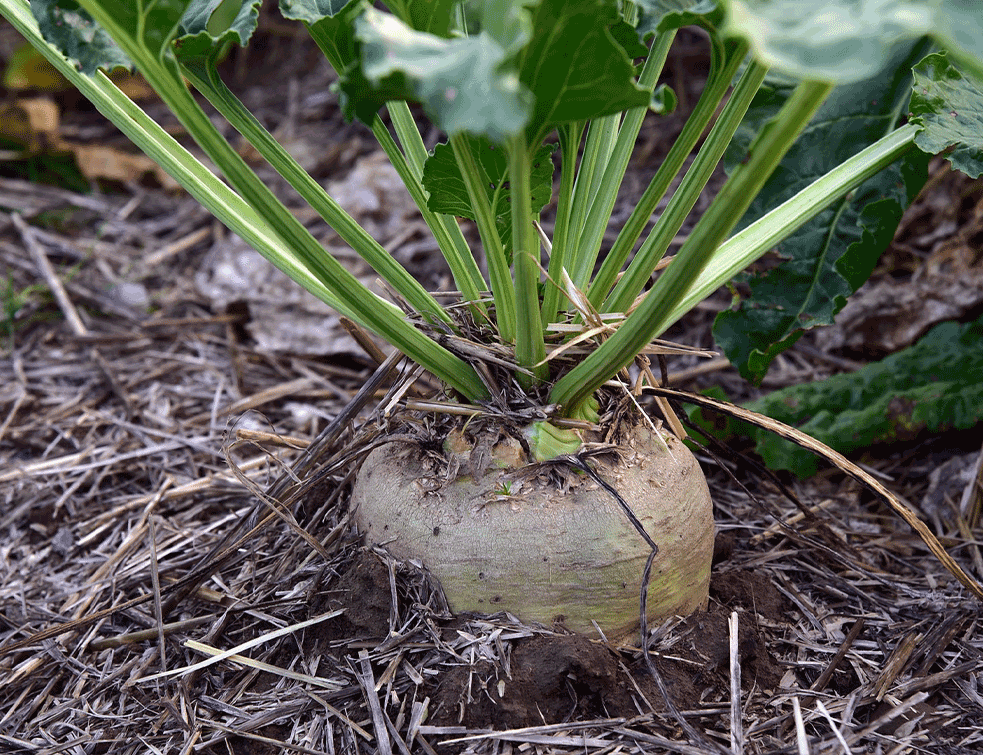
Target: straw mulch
(170,489)
(168,492)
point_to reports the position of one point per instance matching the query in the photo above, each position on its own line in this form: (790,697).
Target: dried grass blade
(841,652)
(892,713)
(222,655)
(278,744)
(558,734)
(832,725)
(262,666)
(130,638)
(579,300)
(384,746)
(50,276)
(418,715)
(584,336)
(971,503)
(276,507)
(801,738)
(934,680)
(736,722)
(366,735)
(895,664)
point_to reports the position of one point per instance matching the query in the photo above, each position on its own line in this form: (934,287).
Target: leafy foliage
(448,193)
(70,28)
(330,24)
(950,108)
(460,82)
(851,40)
(662,15)
(934,386)
(829,258)
(574,66)
(206,27)
(504,78)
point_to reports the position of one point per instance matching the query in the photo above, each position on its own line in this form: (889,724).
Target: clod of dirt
(709,639)
(751,591)
(552,679)
(363,592)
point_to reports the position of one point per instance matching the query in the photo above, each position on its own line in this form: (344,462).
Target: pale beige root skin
(546,557)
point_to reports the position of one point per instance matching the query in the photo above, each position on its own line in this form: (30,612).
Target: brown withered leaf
(890,315)
(35,124)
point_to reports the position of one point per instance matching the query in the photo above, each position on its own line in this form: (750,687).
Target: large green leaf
(202,25)
(71,29)
(850,40)
(934,386)
(461,83)
(949,106)
(432,16)
(541,63)
(508,22)
(152,23)
(449,194)
(957,27)
(574,65)
(830,257)
(311,11)
(661,16)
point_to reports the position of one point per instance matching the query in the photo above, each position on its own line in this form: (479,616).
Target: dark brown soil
(363,592)
(561,678)
(550,680)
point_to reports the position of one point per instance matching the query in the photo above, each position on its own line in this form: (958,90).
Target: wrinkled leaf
(449,194)
(850,40)
(153,24)
(575,67)
(311,11)
(656,16)
(459,82)
(431,16)
(71,29)
(950,107)
(207,25)
(934,386)
(831,256)
(508,22)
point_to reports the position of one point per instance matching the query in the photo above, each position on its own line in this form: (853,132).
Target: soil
(125,538)
(559,678)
